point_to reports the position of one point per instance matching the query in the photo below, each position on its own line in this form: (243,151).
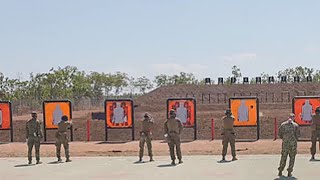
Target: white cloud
(312,50)
(174,68)
(240,57)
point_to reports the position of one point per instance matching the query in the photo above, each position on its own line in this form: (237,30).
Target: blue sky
(149,37)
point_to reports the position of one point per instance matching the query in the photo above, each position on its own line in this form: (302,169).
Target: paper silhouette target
(245,111)
(185,110)
(119,113)
(54,110)
(304,107)
(5,115)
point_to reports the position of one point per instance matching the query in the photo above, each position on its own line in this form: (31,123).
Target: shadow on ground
(112,142)
(166,165)
(284,177)
(24,165)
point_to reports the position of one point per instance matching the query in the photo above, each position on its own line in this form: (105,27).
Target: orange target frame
(246,112)
(53,110)
(303,107)
(6,117)
(186,108)
(119,115)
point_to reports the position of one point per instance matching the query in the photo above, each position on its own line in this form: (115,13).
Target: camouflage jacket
(289,131)
(147,125)
(173,125)
(33,129)
(63,126)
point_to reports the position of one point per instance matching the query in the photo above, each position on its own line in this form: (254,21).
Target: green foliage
(236,73)
(143,84)
(182,78)
(300,71)
(71,83)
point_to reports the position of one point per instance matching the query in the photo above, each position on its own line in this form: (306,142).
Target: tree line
(71,83)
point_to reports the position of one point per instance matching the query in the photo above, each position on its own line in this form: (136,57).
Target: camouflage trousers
(145,139)
(174,141)
(229,137)
(62,138)
(33,141)
(314,137)
(288,148)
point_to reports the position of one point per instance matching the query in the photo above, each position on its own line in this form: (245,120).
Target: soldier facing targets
(173,129)
(289,133)
(228,135)
(146,136)
(33,137)
(62,138)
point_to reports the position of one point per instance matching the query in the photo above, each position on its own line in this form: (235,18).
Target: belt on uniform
(145,131)
(173,132)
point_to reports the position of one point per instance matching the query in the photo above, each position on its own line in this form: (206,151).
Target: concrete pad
(124,168)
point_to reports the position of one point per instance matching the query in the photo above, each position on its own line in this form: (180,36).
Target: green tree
(81,86)
(264,77)
(120,80)
(97,83)
(183,78)
(316,76)
(163,80)
(236,73)
(143,84)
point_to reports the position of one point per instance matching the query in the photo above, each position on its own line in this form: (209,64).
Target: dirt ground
(200,147)
(212,100)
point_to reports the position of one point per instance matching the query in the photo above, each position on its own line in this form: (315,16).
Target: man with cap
(146,136)
(289,132)
(228,135)
(173,129)
(315,132)
(33,136)
(62,138)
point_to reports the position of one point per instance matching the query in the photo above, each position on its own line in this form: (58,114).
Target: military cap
(172,111)
(64,118)
(228,111)
(147,115)
(291,115)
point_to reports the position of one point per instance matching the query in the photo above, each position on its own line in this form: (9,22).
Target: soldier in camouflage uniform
(146,136)
(228,135)
(315,132)
(62,138)
(173,129)
(33,137)
(289,133)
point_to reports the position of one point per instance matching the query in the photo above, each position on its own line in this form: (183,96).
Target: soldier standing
(62,138)
(33,136)
(228,135)
(289,133)
(173,128)
(146,136)
(315,132)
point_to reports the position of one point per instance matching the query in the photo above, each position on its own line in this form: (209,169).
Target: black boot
(38,162)
(173,162)
(312,158)
(223,159)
